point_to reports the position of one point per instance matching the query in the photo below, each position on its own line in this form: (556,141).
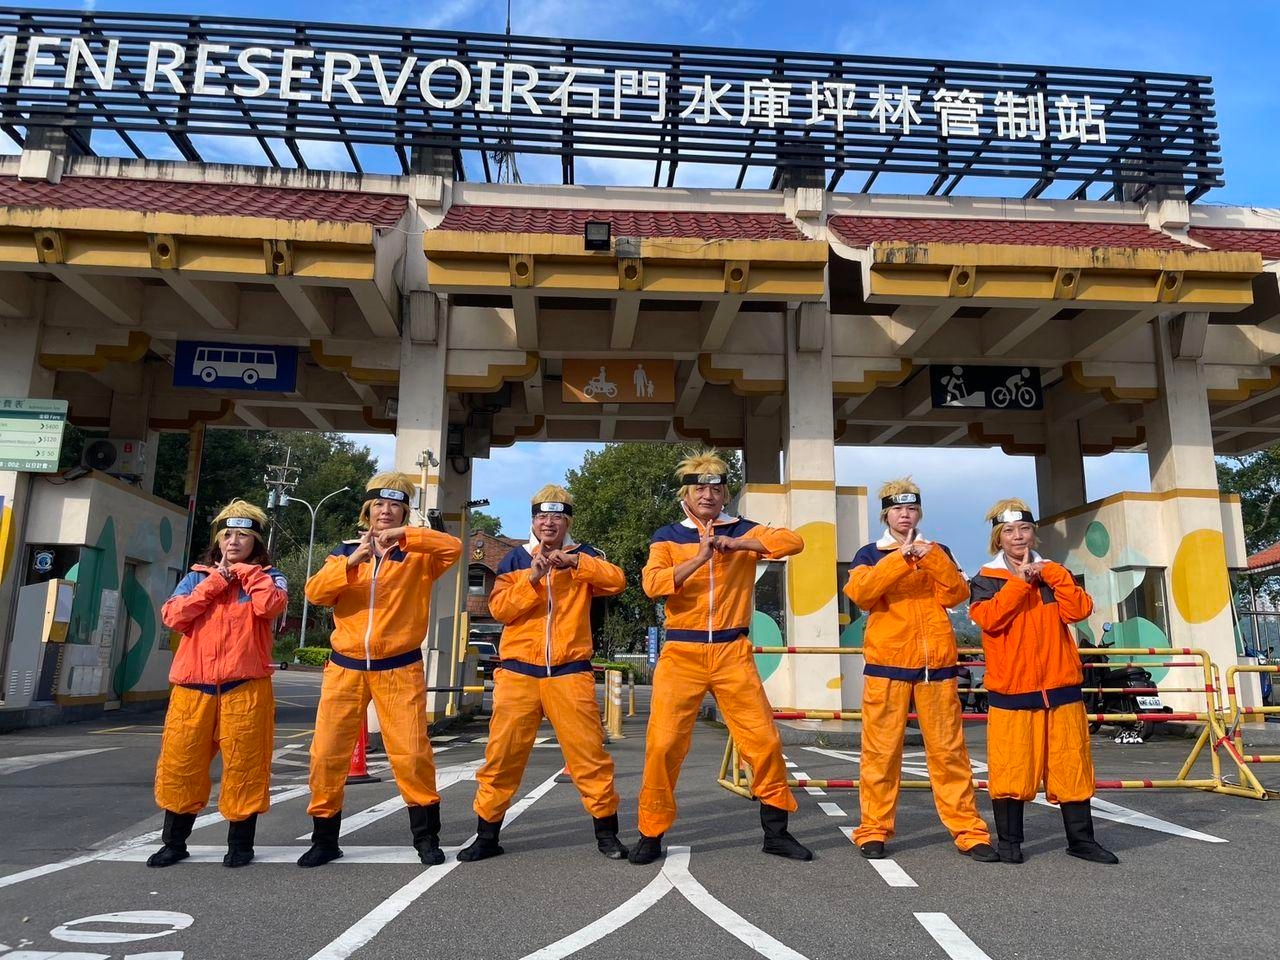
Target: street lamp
(285,501)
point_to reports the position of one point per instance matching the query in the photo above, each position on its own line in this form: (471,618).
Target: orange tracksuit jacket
(910,652)
(546,670)
(708,619)
(222,698)
(380,612)
(1033,680)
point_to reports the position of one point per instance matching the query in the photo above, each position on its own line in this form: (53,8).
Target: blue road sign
(235,366)
(653,646)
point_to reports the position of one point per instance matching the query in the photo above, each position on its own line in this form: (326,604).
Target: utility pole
(280,479)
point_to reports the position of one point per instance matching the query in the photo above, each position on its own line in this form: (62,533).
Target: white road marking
(210,853)
(277,754)
(444,739)
(950,938)
(1106,810)
(291,763)
(18,764)
(445,777)
(889,869)
(143,839)
(372,923)
(812,791)
(832,810)
(674,875)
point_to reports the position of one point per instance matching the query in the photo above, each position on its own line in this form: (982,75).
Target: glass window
(475,582)
(1148,599)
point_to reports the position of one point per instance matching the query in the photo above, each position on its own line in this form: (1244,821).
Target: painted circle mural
(166,534)
(1140,632)
(1096,539)
(765,633)
(1201,587)
(811,581)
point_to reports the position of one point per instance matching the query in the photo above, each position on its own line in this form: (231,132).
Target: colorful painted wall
(129,562)
(1162,558)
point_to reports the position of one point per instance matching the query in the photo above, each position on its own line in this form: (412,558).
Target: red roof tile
(488,550)
(702,225)
(1265,242)
(863,231)
(1264,559)
(205,199)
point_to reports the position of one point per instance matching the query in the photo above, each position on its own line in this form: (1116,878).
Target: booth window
(1148,600)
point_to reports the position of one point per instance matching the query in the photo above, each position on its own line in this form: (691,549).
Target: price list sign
(31,434)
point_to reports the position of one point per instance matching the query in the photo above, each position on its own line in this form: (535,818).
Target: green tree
(1256,478)
(621,495)
(482,522)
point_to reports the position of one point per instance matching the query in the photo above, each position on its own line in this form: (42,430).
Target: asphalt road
(1195,878)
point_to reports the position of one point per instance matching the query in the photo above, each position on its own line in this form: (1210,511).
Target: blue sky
(1235,43)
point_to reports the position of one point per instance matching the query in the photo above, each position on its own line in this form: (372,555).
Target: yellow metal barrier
(1238,713)
(1213,733)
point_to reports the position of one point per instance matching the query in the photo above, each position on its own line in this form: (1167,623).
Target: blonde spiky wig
(894,488)
(553,495)
(705,461)
(999,507)
(400,482)
(238,515)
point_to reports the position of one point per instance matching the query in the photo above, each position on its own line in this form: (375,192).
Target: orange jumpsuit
(546,671)
(380,612)
(708,618)
(222,699)
(910,653)
(1036,731)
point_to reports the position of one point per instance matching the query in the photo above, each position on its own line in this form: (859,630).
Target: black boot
(646,850)
(1008,818)
(177,827)
(424,822)
(776,839)
(485,844)
(1078,819)
(240,835)
(324,841)
(607,841)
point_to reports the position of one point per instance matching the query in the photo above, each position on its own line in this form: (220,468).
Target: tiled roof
(1264,559)
(491,549)
(205,199)
(1265,242)
(702,225)
(863,231)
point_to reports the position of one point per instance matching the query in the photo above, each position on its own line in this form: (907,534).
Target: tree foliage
(621,495)
(482,522)
(1256,478)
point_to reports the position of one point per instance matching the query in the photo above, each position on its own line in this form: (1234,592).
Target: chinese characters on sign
(31,434)
(301,74)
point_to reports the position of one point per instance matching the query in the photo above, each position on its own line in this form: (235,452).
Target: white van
(246,365)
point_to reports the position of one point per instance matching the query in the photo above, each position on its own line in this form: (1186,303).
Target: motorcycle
(1115,696)
(969,680)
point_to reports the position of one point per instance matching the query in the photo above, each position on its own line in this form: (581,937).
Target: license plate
(1150,703)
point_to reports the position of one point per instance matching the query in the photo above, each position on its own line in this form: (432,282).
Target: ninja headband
(703,479)
(386,493)
(553,506)
(1013,516)
(238,523)
(900,500)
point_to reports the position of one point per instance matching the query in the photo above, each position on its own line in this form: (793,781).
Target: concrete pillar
(762,449)
(21,376)
(809,475)
(1060,469)
(130,419)
(1180,453)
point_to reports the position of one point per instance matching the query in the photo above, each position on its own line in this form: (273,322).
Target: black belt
(1036,700)
(213,689)
(537,670)
(385,663)
(910,674)
(702,636)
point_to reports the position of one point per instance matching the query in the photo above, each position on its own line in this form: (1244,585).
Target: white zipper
(551,604)
(368,630)
(711,597)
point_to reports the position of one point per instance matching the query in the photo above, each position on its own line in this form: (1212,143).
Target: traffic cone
(359,770)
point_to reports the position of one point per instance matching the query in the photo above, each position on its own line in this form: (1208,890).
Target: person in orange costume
(1037,732)
(704,567)
(543,595)
(380,589)
(222,699)
(905,583)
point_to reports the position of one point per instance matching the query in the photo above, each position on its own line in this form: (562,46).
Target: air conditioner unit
(116,456)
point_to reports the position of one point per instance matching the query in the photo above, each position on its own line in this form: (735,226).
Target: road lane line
(445,777)
(372,923)
(891,873)
(213,853)
(1106,810)
(29,762)
(950,938)
(615,919)
(832,810)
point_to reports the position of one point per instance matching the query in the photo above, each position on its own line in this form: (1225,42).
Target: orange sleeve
(605,578)
(266,595)
(868,582)
(778,541)
(513,596)
(949,586)
(181,611)
(326,584)
(659,577)
(442,549)
(997,613)
(1074,604)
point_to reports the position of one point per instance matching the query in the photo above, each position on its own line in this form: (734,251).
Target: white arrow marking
(1106,810)
(18,764)
(445,777)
